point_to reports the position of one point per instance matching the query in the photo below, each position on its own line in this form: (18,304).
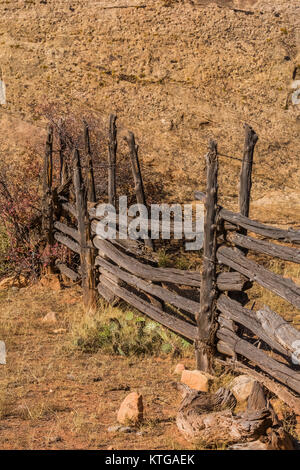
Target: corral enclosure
(218,324)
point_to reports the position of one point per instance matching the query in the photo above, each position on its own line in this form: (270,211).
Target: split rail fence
(260,343)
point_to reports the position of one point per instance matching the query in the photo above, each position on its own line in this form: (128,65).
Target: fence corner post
(86,247)
(48,205)
(204,346)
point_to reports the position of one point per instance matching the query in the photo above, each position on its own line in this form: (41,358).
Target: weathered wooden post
(48,205)
(86,248)
(204,346)
(137,176)
(246,172)
(90,181)
(112,156)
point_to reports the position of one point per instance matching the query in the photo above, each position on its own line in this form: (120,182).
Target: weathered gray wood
(274,368)
(246,171)
(72,232)
(200,196)
(48,204)
(107,294)
(137,176)
(69,208)
(164,294)
(205,318)
(284,287)
(245,317)
(231,281)
(267,231)
(268,248)
(280,331)
(86,252)
(208,417)
(275,387)
(145,271)
(68,242)
(63,170)
(90,181)
(64,269)
(112,155)
(178,326)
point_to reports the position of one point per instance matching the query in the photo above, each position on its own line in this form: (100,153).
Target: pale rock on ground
(131,409)
(241,387)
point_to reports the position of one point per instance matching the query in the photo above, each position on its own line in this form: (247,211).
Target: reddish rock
(179,368)
(131,409)
(195,379)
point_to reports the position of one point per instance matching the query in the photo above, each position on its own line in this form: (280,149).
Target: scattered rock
(70,377)
(50,318)
(55,439)
(196,380)
(179,368)
(2,353)
(50,281)
(59,330)
(114,428)
(97,379)
(241,387)
(131,409)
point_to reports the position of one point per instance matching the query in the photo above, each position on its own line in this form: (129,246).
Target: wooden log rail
(292,236)
(248,318)
(68,242)
(281,286)
(283,252)
(164,294)
(275,369)
(171,322)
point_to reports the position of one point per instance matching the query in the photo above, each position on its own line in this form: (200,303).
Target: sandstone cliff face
(175,72)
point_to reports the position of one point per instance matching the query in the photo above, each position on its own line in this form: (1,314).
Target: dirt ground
(53,397)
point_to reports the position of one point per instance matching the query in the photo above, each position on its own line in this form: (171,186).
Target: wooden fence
(260,343)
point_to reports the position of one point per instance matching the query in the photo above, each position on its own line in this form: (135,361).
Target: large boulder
(196,380)
(241,387)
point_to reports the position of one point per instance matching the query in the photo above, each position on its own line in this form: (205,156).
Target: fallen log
(174,324)
(268,248)
(164,294)
(292,236)
(275,369)
(284,287)
(68,242)
(209,417)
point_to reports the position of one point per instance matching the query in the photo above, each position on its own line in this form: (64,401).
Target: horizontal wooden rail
(279,330)
(164,294)
(284,287)
(279,371)
(70,209)
(68,242)
(72,232)
(243,316)
(268,231)
(64,269)
(283,252)
(232,281)
(174,324)
(175,276)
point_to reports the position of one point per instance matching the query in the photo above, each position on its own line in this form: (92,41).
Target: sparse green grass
(124,332)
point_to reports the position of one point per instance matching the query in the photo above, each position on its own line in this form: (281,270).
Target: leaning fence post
(206,316)
(137,176)
(246,172)
(86,248)
(112,156)
(90,181)
(48,206)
